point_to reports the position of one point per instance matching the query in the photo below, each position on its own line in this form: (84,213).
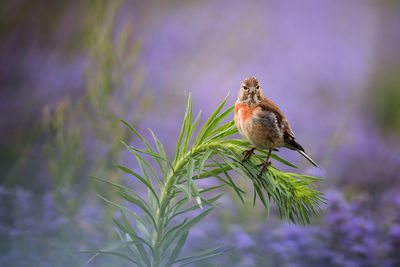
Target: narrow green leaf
(161,150)
(225,182)
(139,221)
(144,181)
(224,127)
(189,175)
(183,129)
(193,126)
(139,204)
(179,204)
(142,162)
(306,177)
(137,134)
(231,182)
(123,244)
(214,123)
(209,121)
(199,255)
(151,153)
(135,238)
(230,164)
(122,189)
(171,236)
(212,173)
(228,132)
(195,220)
(188,126)
(178,248)
(276,157)
(141,138)
(209,202)
(238,142)
(110,253)
(203,159)
(184,189)
(134,235)
(211,188)
(194,207)
(260,194)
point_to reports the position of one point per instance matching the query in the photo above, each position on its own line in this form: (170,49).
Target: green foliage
(384,98)
(76,126)
(157,236)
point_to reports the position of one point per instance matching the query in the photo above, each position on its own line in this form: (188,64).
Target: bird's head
(250,91)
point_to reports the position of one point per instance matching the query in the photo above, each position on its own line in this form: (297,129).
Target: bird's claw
(247,154)
(265,165)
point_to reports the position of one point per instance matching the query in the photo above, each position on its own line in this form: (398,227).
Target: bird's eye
(245,87)
(258,87)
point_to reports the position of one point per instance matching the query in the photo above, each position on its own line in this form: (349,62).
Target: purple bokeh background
(321,62)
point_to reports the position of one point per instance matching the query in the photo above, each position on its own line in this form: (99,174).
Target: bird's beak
(252,90)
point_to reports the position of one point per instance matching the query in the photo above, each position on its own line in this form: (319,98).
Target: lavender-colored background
(331,66)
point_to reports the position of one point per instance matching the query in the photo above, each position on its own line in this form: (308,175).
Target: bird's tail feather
(292,144)
(304,154)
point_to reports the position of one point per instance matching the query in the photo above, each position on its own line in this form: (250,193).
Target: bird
(262,123)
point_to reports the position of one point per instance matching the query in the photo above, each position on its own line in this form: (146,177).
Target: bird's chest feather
(257,126)
(244,117)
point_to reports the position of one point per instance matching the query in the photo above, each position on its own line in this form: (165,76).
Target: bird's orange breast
(243,112)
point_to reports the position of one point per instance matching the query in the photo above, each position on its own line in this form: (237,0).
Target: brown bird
(262,123)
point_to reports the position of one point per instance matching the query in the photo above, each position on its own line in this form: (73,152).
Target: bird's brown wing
(269,106)
(290,142)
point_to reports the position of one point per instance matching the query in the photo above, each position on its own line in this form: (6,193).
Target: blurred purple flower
(33,232)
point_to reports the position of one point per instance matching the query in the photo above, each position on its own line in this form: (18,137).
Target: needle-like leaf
(160,241)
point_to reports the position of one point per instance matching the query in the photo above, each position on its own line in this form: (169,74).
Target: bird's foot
(265,165)
(247,154)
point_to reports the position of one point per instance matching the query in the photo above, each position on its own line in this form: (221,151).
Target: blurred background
(69,70)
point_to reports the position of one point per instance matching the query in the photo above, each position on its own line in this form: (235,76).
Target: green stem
(164,201)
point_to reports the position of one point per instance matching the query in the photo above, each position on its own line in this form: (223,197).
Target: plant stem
(164,202)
